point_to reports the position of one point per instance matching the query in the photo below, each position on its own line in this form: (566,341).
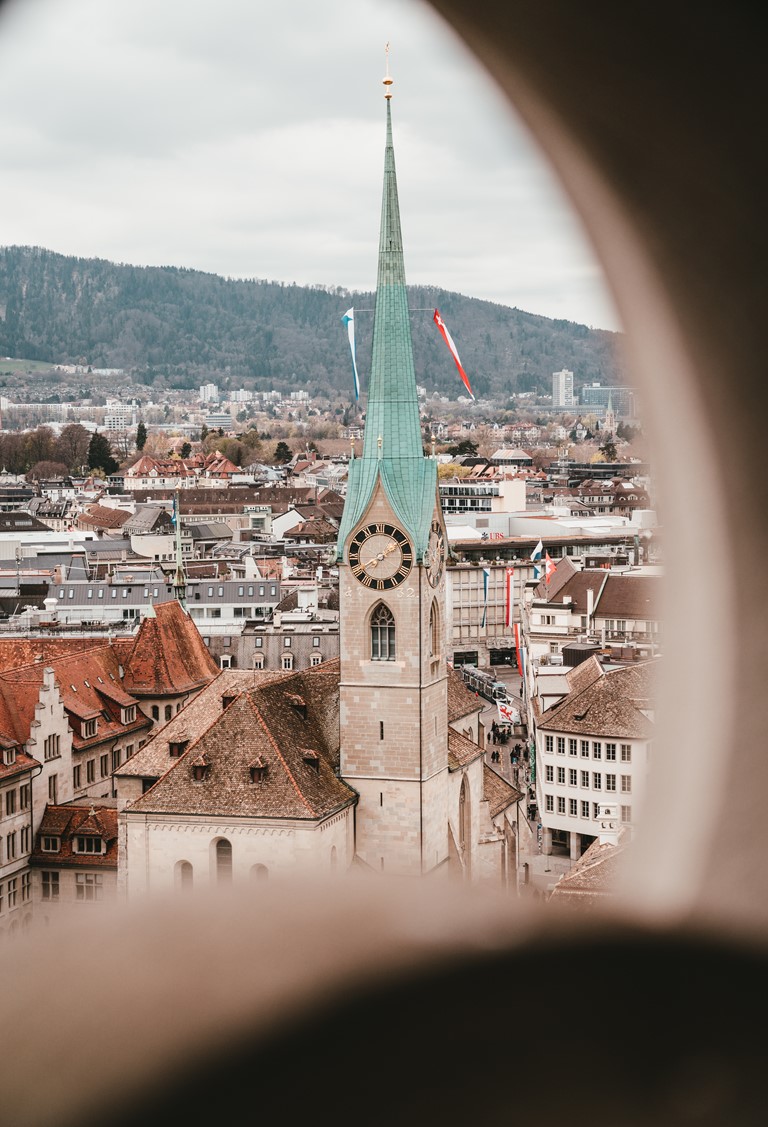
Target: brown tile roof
(498,793)
(630,596)
(461,750)
(154,759)
(615,595)
(102,516)
(582,676)
(613,705)
(67,823)
(594,876)
(461,701)
(318,528)
(286,729)
(168,656)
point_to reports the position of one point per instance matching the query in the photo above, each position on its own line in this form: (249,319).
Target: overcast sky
(246,138)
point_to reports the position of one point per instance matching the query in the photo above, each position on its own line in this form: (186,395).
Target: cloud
(246,138)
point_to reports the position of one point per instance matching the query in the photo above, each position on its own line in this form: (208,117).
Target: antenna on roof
(180,579)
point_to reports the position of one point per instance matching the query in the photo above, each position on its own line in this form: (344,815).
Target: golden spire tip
(387,80)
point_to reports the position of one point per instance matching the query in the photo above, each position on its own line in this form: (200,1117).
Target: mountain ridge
(184,326)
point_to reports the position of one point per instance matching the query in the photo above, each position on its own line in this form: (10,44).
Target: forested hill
(188,327)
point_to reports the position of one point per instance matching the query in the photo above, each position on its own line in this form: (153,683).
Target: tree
(186,449)
(122,443)
(608,450)
(141,436)
(466,446)
(282,453)
(42,470)
(72,446)
(100,454)
(40,446)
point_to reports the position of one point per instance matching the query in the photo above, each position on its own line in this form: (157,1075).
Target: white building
(592,747)
(562,389)
(209,393)
(120,416)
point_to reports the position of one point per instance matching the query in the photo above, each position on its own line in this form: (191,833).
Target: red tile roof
(23,651)
(80,677)
(168,656)
(69,822)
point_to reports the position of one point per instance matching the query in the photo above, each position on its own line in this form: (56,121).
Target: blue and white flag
(486,577)
(349,320)
(536,554)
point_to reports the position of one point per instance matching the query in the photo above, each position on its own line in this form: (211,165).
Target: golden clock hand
(392,547)
(374,562)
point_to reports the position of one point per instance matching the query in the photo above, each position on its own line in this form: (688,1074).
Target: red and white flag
(550,567)
(518,650)
(507,714)
(449,341)
(509,577)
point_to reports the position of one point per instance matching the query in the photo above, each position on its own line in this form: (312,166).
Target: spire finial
(387,80)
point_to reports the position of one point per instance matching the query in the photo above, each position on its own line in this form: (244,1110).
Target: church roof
(168,656)
(271,752)
(155,758)
(461,700)
(498,793)
(461,751)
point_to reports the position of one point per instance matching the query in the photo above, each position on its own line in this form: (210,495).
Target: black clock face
(380,556)
(435,554)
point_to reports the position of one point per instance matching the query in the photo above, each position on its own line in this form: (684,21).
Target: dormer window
(201,769)
(227,699)
(51,843)
(298,704)
(129,714)
(178,747)
(90,727)
(311,758)
(258,769)
(9,756)
(88,843)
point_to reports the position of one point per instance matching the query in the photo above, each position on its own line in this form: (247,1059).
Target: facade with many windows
(73,711)
(74,859)
(592,747)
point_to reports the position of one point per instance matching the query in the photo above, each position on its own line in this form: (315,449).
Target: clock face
(380,556)
(435,554)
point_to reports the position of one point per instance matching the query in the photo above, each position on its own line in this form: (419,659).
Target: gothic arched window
(382,634)
(434,630)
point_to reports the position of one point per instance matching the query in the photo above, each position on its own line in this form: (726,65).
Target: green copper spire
(392,443)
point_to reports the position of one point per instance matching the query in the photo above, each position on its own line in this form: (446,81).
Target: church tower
(609,420)
(391,554)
